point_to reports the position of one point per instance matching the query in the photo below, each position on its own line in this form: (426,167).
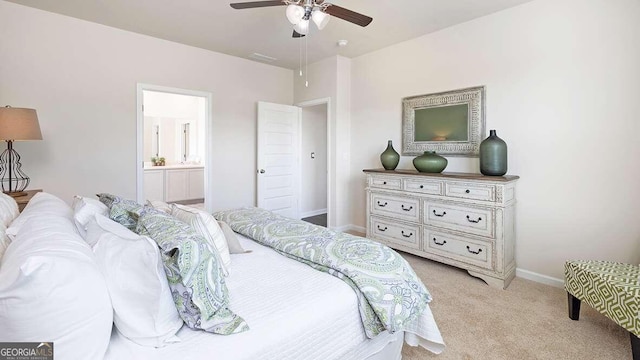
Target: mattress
(293,311)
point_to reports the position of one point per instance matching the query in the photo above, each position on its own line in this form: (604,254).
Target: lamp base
(12,180)
(16,193)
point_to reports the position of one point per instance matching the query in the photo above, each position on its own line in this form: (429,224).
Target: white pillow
(143,306)
(4,241)
(40,204)
(8,212)
(207,226)
(160,205)
(84,209)
(8,209)
(52,290)
(232,239)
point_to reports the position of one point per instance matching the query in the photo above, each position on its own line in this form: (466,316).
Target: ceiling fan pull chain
(306,62)
(300,57)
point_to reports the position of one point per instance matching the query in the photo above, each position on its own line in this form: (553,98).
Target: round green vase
(493,155)
(390,158)
(430,162)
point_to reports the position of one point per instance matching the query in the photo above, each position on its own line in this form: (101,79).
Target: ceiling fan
(299,12)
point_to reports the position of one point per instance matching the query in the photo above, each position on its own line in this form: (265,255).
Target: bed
(293,310)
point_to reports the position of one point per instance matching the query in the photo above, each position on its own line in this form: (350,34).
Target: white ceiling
(214,25)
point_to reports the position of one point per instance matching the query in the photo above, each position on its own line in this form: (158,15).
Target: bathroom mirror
(450,123)
(174,128)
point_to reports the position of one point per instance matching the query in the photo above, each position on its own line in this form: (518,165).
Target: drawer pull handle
(384,183)
(381,229)
(406,209)
(405,235)
(473,221)
(467,191)
(439,215)
(382,205)
(421,186)
(473,252)
(437,243)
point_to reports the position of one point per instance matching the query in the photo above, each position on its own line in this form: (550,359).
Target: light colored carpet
(527,321)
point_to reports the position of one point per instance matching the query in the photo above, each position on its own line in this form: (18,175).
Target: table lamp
(16,124)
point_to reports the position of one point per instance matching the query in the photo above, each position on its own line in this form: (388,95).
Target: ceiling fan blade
(348,15)
(256,4)
(297,34)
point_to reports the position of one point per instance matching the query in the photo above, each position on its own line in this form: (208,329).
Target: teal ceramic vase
(430,162)
(389,158)
(493,155)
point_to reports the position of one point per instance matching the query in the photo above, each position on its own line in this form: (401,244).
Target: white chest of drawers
(464,220)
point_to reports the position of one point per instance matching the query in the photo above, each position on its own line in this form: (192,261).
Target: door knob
(261,171)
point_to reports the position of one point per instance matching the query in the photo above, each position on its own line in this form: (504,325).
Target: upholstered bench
(611,288)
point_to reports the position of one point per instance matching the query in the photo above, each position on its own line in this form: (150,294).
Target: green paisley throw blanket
(390,295)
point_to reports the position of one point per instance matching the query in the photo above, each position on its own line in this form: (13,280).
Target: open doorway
(173,141)
(314,164)
(282,153)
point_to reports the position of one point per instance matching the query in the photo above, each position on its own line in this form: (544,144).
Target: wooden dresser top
(446,175)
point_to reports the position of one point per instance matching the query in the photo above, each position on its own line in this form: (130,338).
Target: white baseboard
(313,213)
(543,279)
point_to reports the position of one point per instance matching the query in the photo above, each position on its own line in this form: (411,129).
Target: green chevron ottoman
(611,288)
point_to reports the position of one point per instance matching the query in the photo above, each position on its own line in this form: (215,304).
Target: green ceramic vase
(390,158)
(493,155)
(430,162)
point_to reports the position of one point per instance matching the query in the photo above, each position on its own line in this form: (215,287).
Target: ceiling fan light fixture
(294,13)
(302,27)
(320,18)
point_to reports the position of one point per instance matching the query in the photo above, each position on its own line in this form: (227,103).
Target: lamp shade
(320,18)
(302,27)
(294,13)
(19,124)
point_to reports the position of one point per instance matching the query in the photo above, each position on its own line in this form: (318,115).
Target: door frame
(208,138)
(330,153)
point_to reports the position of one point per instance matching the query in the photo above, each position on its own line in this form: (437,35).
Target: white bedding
(289,318)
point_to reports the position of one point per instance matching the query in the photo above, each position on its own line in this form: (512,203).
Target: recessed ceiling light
(343,43)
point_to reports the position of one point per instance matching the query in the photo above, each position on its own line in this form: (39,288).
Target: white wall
(313,181)
(330,78)
(562,90)
(81,77)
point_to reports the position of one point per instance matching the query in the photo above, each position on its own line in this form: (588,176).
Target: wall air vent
(263,58)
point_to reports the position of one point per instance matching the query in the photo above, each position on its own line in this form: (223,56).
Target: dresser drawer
(471,191)
(396,232)
(395,206)
(472,220)
(422,186)
(478,253)
(383,182)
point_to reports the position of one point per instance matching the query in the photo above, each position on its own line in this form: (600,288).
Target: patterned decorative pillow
(194,274)
(121,210)
(204,224)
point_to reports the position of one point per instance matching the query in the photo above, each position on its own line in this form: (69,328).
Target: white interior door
(278,158)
